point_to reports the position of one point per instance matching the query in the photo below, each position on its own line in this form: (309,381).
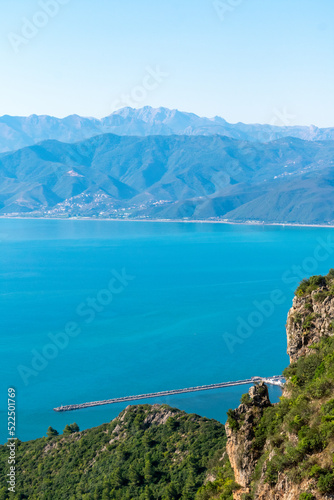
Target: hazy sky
(246,60)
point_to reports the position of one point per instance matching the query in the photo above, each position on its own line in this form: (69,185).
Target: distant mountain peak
(17,132)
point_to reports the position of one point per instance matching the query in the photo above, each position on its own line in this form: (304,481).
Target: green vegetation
(160,453)
(222,487)
(70,429)
(148,452)
(308,414)
(308,322)
(232,420)
(305,323)
(246,399)
(320,297)
(295,437)
(313,283)
(51,432)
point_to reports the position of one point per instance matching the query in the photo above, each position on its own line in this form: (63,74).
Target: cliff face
(285,451)
(309,320)
(240,434)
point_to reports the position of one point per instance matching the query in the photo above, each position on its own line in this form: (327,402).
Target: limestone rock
(308,321)
(242,454)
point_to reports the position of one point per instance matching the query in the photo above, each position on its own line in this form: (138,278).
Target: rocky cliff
(311,315)
(240,434)
(285,451)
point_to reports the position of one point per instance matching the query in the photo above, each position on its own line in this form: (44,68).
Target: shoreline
(184,221)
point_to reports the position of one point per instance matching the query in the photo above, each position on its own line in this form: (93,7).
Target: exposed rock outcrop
(240,434)
(159,415)
(285,489)
(310,318)
(280,459)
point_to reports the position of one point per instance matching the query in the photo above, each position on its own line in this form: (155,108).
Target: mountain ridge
(19,131)
(288,180)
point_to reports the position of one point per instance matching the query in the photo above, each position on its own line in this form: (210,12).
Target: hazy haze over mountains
(18,132)
(171,177)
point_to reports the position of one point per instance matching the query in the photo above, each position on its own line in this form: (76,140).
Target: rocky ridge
(240,434)
(285,451)
(311,315)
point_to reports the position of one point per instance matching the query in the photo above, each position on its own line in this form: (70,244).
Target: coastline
(185,221)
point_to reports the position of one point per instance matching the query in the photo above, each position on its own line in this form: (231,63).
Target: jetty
(275,380)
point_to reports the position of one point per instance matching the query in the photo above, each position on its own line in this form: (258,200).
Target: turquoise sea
(207,303)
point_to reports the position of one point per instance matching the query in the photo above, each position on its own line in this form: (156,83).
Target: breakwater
(275,380)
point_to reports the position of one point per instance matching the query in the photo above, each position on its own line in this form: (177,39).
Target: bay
(176,323)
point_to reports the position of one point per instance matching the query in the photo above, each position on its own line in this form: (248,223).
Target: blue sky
(246,60)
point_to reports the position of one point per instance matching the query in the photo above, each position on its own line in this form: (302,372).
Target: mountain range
(171,177)
(18,132)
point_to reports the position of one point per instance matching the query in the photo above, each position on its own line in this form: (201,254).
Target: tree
(170,492)
(148,493)
(172,424)
(51,432)
(148,471)
(3,493)
(70,429)
(116,478)
(134,476)
(74,427)
(190,485)
(67,430)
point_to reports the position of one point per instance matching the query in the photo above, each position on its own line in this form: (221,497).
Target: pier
(275,380)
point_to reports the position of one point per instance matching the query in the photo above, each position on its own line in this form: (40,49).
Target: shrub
(223,486)
(326,483)
(321,388)
(304,370)
(298,318)
(327,411)
(246,399)
(296,423)
(302,288)
(310,440)
(315,471)
(273,467)
(232,420)
(308,322)
(306,496)
(308,285)
(320,297)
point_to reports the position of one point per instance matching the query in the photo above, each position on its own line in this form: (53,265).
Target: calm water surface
(175,324)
